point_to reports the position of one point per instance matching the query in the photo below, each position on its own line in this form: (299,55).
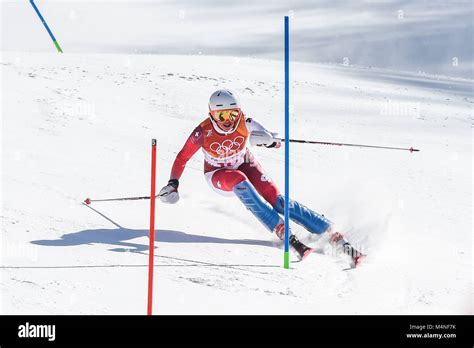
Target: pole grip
(152,228)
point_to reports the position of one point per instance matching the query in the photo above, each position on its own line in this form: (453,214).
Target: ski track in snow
(80,125)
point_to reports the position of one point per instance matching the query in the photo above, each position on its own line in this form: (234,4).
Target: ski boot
(301,250)
(338,241)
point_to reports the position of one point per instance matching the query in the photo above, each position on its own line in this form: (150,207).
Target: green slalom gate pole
(56,44)
(286,262)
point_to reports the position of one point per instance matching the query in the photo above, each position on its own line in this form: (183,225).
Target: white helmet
(223,99)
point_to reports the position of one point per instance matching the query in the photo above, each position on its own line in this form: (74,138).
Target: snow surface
(80,125)
(416,35)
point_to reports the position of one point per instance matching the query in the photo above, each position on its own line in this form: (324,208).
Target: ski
(344,247)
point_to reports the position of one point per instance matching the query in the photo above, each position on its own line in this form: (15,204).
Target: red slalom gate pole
(152,228)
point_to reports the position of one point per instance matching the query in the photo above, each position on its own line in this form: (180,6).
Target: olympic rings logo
(227,146)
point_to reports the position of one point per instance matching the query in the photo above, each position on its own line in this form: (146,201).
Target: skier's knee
(227,179)
(254,202)
(279,204)
(271,193)
(236,178)
(312,221)
(268,190)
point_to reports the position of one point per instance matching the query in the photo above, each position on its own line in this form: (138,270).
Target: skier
(231,169)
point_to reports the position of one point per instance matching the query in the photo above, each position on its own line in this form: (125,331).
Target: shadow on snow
(121,237)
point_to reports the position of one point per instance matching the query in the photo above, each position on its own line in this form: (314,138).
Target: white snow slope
(417,35)
(77,126)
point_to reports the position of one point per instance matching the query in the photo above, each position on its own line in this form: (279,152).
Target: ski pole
(89,201)
(411,149)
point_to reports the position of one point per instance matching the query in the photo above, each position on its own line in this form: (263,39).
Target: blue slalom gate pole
(46,26)
(287,144)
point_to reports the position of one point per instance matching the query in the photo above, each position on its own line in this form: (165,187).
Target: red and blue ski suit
(227,159)
(230,168)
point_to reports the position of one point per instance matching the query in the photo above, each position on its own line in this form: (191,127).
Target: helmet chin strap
(221,131)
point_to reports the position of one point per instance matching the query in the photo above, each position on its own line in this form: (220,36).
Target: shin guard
(302,215)
(257,205)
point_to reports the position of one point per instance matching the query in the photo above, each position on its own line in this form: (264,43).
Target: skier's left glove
(169,193)
(264,138)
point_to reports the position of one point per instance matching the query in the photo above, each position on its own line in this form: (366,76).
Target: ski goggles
(225,115)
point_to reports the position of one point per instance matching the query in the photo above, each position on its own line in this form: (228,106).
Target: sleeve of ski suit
(253,125)
(193,143)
